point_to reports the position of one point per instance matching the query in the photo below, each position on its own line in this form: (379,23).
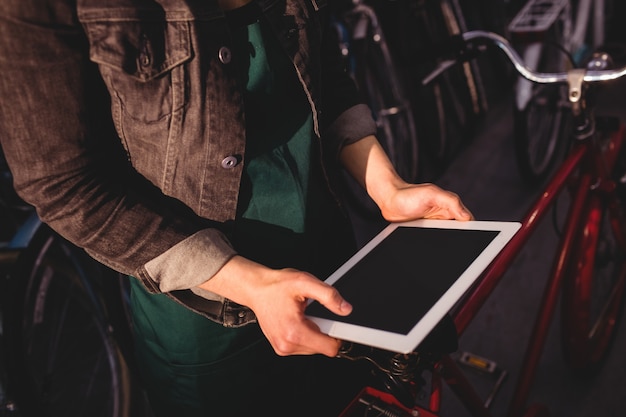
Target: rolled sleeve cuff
(188,264)
(351,126)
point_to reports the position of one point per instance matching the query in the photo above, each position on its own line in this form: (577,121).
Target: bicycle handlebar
(590,75)
(538,77)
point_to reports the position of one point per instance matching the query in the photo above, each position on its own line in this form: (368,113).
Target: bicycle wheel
(62,358)
(453,124)
(383,89)
(448,108)
(370,62)
(539,122)
(595,288)
(396,127)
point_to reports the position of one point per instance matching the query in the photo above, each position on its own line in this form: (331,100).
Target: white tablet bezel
(406,343)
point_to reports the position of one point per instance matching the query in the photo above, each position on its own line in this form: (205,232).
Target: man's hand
(416,201)
(398,200)
(278,298)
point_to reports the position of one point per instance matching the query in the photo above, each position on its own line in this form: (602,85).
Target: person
(192,145)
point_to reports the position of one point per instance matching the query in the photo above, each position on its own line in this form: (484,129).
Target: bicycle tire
(454,124)
(594,292)
(394,120)
(382,88)
(456,23)
(540,124)
(449,106)
(62,357)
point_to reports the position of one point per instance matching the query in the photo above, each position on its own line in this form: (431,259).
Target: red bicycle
(589,268)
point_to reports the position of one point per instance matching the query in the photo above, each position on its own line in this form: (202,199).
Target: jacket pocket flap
(143,49)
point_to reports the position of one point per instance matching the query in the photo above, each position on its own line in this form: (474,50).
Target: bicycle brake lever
(439,69)
(459,49)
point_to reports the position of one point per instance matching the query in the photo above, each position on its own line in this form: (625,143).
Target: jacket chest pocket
(142,64)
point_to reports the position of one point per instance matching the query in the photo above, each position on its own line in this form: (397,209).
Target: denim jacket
(123,124)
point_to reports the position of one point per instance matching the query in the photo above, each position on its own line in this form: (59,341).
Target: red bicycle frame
(583,153)
(585,172)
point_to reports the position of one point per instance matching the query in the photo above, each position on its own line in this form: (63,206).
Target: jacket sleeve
(58,138)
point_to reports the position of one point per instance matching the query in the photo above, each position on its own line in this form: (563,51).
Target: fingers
(284,322)
(311,341)
(329,297)
(425,201)
(458,211)
(302,337)
(450,206)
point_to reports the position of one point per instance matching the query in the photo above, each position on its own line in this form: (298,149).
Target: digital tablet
(403,282)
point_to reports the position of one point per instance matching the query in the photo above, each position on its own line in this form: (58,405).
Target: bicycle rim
(593,297)
(540,123)
(384,90)
(444,116)
(64,361)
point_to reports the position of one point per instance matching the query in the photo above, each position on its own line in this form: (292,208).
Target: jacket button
(230,161)
(144,60)
(224,55)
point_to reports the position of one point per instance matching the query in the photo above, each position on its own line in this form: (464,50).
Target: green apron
(192,366)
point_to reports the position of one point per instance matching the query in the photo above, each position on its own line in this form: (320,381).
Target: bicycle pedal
(537,16)
(487,367)
(478,363)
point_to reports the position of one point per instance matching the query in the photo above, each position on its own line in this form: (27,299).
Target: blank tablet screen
(396,283)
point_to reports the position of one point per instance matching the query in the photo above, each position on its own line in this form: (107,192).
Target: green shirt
(282,198)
